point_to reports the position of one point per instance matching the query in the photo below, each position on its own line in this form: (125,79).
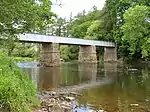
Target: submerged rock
(70,98)
(134,105)
(62,102)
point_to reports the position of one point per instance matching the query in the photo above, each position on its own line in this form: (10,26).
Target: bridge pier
(110,54)
(87,54)
(50,55)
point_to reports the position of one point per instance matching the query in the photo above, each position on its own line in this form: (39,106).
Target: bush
(17,92)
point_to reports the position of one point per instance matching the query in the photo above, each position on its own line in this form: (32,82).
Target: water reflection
(129,93)
(129,87)
(87,72)
(49,78)
(110,69)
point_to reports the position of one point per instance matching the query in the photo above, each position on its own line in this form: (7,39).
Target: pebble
(70,98)
(74,93)
(134,105)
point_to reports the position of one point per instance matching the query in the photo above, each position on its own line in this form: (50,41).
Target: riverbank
(66,99)
(23,59)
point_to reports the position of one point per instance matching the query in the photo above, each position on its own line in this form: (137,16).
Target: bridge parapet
(36,38)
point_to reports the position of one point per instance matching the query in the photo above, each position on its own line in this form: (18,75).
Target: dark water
(124,89)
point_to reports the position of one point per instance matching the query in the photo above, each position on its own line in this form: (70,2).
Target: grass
(17,92)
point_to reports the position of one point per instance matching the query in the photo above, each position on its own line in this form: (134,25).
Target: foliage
(22,16)
(79,31)
(112,15)
(16,49)
(95,31)
(136,31)
(69,52)
(82,22)
(17,92)
(18,16)
(24,50)
(19,59)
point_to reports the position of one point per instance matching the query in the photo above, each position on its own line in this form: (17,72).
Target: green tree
(21,16)
(95,31)
(83,21)
(24,50)
(136,31)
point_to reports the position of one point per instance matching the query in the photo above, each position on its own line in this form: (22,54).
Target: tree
(95,31)
(19,16)
(82,22)
(136,31)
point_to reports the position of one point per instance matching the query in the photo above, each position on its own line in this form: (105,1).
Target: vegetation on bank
(23,59)
(17,92)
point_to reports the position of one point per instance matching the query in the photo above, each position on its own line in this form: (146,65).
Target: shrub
(17,92)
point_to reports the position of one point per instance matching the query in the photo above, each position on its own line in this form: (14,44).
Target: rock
(92,110)
(101,111)
(74,93)
(44,103)
(90,105)
(69,98)
(44,109)
(62,93)
(146,100)
(53,93)
(134,105)
(132,69)
(50,105)
(66,106)
(45,92)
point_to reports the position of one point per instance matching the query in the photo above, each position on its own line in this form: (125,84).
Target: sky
(75,6)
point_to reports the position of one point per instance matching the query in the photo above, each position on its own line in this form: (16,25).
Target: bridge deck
(37,38)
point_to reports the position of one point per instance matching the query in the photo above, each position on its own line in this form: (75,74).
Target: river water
(110,87)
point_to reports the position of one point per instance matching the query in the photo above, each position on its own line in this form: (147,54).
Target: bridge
(50,53)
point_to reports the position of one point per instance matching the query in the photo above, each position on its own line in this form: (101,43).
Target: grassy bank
(17,92)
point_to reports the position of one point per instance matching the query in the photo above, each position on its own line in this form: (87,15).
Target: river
(106,86)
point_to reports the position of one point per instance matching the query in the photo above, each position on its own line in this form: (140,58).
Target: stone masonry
(50,55)
(110,54)
(87,54)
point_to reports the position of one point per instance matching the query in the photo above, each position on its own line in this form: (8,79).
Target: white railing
(37,38)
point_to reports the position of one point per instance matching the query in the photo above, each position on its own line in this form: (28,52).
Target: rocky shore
(65,99)
(61,102)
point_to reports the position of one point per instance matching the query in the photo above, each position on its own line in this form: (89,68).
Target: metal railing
(37,38)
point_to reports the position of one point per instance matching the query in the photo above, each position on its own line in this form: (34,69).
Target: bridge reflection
(51,78)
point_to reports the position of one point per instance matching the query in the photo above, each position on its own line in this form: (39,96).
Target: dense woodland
(125,22)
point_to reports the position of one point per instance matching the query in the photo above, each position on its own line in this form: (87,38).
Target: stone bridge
(50,53)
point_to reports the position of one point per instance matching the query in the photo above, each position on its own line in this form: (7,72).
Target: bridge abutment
(50,55)
(110,54)
(87,54)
